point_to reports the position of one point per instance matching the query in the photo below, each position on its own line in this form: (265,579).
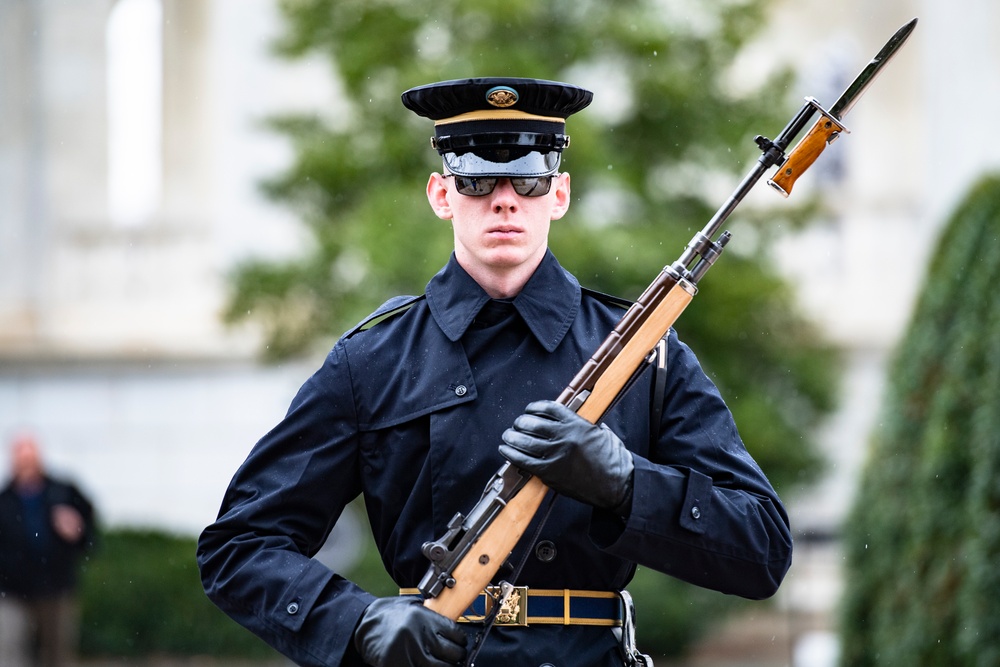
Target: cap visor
(533,163)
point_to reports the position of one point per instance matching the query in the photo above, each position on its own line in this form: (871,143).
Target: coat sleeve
(702,509)
(255,560)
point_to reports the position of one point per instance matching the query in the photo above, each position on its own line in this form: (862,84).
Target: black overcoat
(409,413)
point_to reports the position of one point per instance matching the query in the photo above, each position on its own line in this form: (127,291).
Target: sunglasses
(529,186)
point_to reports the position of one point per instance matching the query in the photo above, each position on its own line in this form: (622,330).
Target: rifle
(464,560)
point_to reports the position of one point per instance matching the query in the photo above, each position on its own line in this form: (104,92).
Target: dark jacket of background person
(42,564)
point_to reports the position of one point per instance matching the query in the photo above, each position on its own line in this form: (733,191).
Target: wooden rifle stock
(591,392)
(474,573)
(465,560)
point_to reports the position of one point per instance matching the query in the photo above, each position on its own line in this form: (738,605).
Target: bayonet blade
(871,71)
(829,127)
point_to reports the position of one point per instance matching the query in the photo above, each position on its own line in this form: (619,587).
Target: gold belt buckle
(513,604)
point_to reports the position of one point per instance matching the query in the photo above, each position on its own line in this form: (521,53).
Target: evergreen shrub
(923,537)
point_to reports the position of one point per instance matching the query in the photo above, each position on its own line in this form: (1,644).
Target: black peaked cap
(447,99)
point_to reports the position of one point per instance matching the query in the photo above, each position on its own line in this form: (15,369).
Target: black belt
(538,606)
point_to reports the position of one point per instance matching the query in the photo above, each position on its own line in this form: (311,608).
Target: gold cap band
(498,114)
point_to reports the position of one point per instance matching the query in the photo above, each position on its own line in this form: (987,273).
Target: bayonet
(829,127)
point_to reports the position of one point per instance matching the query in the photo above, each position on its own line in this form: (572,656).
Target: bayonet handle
(823,132)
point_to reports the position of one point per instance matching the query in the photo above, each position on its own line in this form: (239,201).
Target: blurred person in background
(46,525)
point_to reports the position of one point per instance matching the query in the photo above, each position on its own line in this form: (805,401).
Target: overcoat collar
(548,303)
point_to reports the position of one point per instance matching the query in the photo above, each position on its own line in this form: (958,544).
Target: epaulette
(391,308)
(608,298)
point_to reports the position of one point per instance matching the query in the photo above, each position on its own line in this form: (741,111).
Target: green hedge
(141,595)
(923,539)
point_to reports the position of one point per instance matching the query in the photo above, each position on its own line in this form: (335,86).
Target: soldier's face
(502,231)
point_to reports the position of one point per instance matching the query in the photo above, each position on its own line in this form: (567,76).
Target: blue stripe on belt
(534,606)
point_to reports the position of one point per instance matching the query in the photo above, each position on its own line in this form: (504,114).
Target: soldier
(417,411)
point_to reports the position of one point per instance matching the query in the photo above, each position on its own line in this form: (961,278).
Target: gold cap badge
(501,97)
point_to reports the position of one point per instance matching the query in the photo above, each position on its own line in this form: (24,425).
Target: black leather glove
(397,632)
(571,455)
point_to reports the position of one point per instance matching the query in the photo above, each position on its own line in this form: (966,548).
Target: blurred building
(131,145)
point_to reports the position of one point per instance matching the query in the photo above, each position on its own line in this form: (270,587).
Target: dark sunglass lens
(474,187)
(532,187)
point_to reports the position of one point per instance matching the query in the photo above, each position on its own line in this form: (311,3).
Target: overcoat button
(545,551)
(461,390)
(292,608)
(695,512)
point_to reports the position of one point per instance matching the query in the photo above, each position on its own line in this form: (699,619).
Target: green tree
(666,123)
(924,534)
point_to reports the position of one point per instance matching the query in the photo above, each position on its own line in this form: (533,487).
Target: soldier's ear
(561,186)
(437,196)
